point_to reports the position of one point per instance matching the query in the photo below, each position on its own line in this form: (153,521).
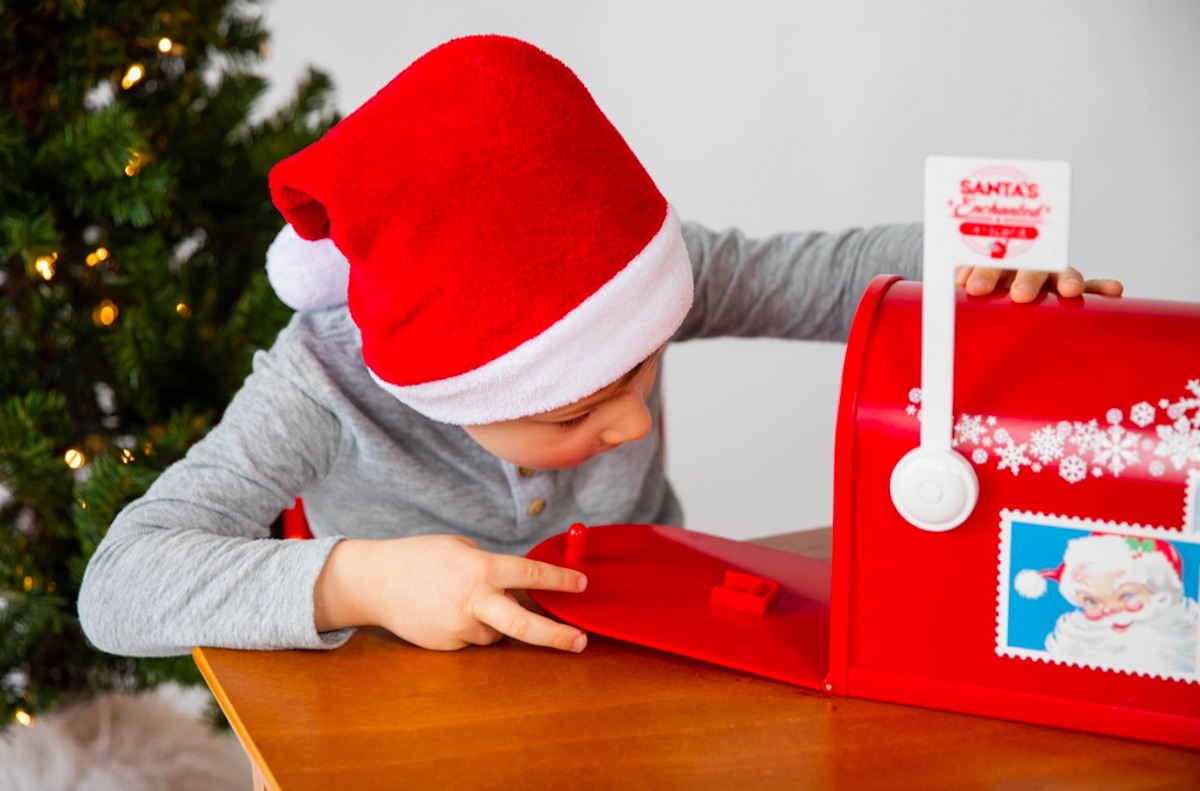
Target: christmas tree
(134,220)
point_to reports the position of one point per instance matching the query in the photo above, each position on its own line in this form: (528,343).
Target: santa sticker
(1100,595)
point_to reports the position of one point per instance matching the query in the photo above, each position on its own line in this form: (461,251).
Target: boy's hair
(507,252)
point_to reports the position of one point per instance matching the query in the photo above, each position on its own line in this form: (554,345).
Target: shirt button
(536,506)
(525,472)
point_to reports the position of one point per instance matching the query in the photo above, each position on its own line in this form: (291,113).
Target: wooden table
(381,714)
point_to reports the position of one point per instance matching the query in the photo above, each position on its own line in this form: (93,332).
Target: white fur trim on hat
(307,275)
(616,327)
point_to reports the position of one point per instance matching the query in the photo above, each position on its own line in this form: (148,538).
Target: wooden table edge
(262,776)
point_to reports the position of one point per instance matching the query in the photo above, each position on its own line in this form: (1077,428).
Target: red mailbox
(1016,528)
(1068,596)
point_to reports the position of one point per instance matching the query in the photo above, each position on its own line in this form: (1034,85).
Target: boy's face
(567,437)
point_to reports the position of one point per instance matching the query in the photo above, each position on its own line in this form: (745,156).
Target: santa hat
(504,251)
(1153,562)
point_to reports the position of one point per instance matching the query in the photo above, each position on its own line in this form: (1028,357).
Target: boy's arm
(791,285)
(808,285)
(186,564)
(190,563)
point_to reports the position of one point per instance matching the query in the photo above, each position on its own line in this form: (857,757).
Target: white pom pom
(307,275)
(1030,584)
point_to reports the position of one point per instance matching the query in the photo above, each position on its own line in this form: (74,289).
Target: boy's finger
(1069,282)
(507,617)
(1027,285)
(982,281)
(512,572)
(1109,288)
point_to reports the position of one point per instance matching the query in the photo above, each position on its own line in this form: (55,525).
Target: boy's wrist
(338,600)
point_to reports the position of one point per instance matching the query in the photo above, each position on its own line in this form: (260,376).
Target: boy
(512,275)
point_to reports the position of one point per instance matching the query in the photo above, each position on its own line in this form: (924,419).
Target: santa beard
(1161,640)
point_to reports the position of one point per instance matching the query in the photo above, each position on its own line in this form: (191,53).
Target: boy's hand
(441,592)
(1025,284)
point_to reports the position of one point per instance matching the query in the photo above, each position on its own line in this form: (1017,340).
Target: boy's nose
(629,420)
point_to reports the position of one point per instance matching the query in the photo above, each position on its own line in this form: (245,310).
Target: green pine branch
(134,221)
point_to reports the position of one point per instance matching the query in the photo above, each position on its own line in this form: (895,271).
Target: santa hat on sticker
(1152,562)
(503,251)
(1031,584)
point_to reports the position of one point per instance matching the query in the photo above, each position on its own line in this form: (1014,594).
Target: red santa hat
(503,250)
(1153,562)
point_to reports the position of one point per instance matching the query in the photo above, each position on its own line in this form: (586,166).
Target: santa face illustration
(1130,609)
(1108,601)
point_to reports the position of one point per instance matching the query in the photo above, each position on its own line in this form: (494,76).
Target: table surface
(378,713)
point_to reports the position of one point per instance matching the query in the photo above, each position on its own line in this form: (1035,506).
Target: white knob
(934,489)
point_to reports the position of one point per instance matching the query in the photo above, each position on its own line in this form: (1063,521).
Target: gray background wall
(796,115)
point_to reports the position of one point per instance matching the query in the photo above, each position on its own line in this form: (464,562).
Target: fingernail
(977,284)
(582,584)
(580,643)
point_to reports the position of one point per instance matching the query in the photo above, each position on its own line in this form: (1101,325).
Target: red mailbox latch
(746,592)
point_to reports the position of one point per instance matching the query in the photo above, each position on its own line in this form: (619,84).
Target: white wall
(818,115)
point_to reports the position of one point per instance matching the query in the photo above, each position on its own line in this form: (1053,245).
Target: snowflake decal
(1181,407)
(1073,469)
(1179,442)
(1078,449)
(1085,436)
(969,430)
(1142,414)
(1047,444)
(1012,457)
(1116,449)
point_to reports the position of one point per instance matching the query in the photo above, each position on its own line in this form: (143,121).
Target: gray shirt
(191,563)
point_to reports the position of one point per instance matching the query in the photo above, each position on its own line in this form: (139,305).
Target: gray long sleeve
(190,563)
(803,286)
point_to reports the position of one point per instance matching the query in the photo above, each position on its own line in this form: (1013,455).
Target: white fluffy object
(156,741)
(307,275)
(1030,584)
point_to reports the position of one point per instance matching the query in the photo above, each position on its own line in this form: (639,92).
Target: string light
(183,310)
(28,584)
(74,458)
(165,44)
(45,265)
(133,76)
(100,254)
(135,163)
(105,313)
(23,718)
(127,456)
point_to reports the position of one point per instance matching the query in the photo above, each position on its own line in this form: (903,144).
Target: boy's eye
(573,422)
